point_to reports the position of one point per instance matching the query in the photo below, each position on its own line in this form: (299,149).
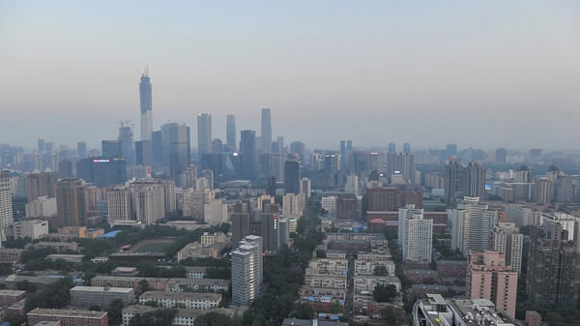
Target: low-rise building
(9,297)
(364,267)
(311,322)
(136,283)
(183,317)
(367,284)
(32,229)
(208,239)
(187,300)
(327,266)
(9,255)
(326,281)
(102,296)
(125,271)
(71,258)
(185,225)
(68,317)
(197,285)
(195,272)
(58,246)
(197,250)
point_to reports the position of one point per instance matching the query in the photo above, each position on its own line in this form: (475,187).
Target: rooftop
(67,313)
(198,281)
(180,296)
(101,289)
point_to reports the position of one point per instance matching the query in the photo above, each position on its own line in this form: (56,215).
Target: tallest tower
(146,106)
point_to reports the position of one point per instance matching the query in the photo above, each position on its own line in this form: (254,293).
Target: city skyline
(338,72)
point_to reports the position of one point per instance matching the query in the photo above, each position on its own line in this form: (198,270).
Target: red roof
(378,220)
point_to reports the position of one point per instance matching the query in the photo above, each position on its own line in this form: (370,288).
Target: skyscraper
(204,136)
(292,176)
(70,203)
(488,277)
(506,239)
(6,217)
(471,223)
(247,270)
(474,177)
(127,144)
(82,149)
(146,102)
(248,155)
(406,148)
(266,131)
(231,133)
(415,234)
(111,148)
(453,179)
(40,184)
(175,142)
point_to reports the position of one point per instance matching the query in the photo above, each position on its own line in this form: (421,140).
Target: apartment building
(186,300)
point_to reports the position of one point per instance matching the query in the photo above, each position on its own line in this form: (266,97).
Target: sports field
(151,246)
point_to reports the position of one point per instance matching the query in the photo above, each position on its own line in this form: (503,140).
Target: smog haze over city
(484,74)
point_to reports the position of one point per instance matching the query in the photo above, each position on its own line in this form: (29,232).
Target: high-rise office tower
(204,135)
(415,234)
(41,145)
(345,149)
(231,133)
(506,239)
(175,140)
(146,102)
(474,179)
(454,179)
(392,148)
(407,164)
(40,184)
(269,228)
(266,131)
(111,148)
(240,221)
(500,155)
(471,223)
(451,151)
(127,145)
(82,149)
(248,154)
(292,176)
(406,148)
(247,270)
(6,217)
(306,187)
(298,147)
(70,203)
(488,277)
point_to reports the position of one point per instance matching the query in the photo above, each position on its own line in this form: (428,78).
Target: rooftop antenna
(146,72)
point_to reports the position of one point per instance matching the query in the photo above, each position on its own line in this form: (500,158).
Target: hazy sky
(477,73)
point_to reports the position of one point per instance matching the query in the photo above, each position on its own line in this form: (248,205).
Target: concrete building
(215,211)
(198,250)
(247,270)
(32,229)
(186,300)
(329,204)
(367,284)
(293,205)
(553,276)
(266,131)
(68,317)
(9,255)
(40,184)
(506,239)
(102,296)
(58,246)
(9,297)
(197,285)
(488,277)
(41,207)
(70,202)
(415,235)
(471,223)
(134,282)
(434,310)
(364,267)
(6,218)
(327,266)
(195,271)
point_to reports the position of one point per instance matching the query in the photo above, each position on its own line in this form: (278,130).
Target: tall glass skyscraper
(266,136)
(204,137)
(231,132)
(145,92)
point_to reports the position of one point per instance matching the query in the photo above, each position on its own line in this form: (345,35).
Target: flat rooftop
(68,313)
(181,296)
(80,288)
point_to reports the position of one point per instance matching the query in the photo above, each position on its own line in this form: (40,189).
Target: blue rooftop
(111,234)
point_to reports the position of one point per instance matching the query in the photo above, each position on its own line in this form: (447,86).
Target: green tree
(380,270)
(303,310)
(115,312)
(335,308)
(320,253)
(384,293)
